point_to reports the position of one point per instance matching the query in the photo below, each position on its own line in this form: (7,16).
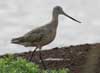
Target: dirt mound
(73,57)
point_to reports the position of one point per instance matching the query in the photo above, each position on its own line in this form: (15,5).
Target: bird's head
(58,10)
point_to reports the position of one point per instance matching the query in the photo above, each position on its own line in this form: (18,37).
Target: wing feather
(35,35)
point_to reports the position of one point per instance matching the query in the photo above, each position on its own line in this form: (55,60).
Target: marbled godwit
(42,35)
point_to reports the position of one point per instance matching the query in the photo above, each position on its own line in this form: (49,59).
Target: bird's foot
(30,59)
(48,71)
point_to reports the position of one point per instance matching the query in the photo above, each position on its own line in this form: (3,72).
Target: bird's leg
(44,65)
(32,54)
(40,55)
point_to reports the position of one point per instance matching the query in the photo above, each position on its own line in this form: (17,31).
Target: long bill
(71,18)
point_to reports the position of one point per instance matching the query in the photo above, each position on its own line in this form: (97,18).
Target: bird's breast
(48,38)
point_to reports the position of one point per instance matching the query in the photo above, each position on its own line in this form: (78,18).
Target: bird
(42,35)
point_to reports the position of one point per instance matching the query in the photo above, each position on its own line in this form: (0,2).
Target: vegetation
(11,64)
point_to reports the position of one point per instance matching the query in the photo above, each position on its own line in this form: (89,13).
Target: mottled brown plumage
(42,35)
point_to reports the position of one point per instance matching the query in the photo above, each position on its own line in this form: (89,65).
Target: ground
(72,57)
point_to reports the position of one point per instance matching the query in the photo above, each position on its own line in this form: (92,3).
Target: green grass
(11,64)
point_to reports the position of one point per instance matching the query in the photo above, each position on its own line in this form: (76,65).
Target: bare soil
(72,57)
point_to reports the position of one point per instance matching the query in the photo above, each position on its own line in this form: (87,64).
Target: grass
(11,64)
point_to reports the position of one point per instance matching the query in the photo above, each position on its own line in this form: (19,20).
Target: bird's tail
(16,40)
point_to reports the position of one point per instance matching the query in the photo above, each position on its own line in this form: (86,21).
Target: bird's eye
(58,9)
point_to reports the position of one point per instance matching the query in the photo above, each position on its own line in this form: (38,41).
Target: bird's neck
(54,20)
